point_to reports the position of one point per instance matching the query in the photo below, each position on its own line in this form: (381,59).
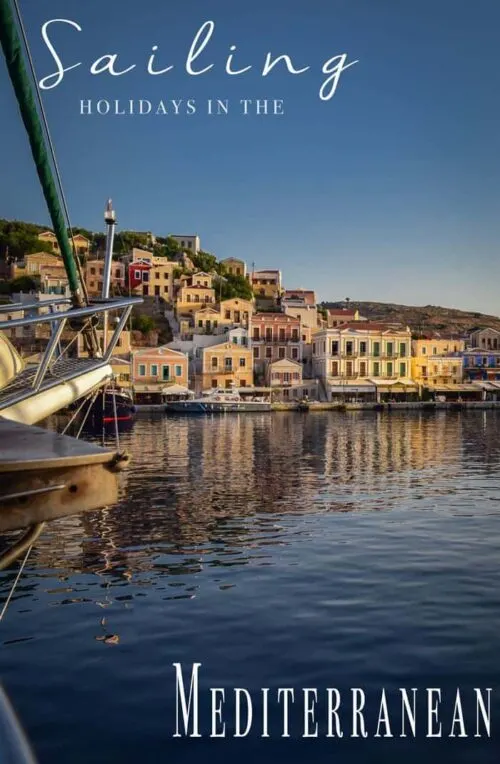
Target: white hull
(47,402)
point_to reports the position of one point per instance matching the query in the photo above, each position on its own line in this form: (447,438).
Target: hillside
(422,320)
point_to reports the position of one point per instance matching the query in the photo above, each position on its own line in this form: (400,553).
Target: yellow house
(206,319)
(434,370)
(236,311)
(226,365)
(191,298)
(123,346)
(266,284)
(121,370)
(235,266)
(436,346)
(34,263)
(81,243)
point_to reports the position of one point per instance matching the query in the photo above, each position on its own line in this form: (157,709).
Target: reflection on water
(279,540)
(222,484)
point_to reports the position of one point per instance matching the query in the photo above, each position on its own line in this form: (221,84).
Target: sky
(388,191)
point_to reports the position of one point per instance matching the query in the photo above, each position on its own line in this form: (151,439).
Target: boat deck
(63,370)
(44,475)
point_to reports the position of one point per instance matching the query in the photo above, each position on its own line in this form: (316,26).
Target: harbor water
(305,550)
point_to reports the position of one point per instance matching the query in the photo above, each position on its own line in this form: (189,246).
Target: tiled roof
(341,312)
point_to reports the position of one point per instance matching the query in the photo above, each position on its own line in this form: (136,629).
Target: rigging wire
(13,587)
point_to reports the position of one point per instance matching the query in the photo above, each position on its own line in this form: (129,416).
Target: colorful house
(226,365)
(154,370)
(364,360)
(234,266)
(81,243)
(266,284)
(285,379)
(236,312)
(191,298)
(275,336)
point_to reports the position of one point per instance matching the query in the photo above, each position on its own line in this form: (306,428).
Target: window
(362,348)
(402,349)
(243,363)
(214,362)
(303,338)
(286,377)
(362,369)
(214,383)
(92,272)
(165,372)
(389,369)
(269,335)
(235,340)
(117,273)
(376,369)
(348,348)
(256,335)
(145,276)
(215,324)
(269,352)
(424,351)
(390,348)
(227,315)
(157,290)
(154,370)
(376,349)
(424,371)
(157,275)
(142,370)
(228,364)
(402,370)
(200,323)
(434,351)
(295,335)
(295,353)
(256,353)
(335,347)
(178,371)
(314,348)
(349,369)
(281,352)
(243,383)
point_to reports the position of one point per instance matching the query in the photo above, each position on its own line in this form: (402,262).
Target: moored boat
(218,401)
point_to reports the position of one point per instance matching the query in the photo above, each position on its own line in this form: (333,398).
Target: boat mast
(110,220)
(13,52)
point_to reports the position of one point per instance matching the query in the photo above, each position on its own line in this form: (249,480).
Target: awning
(147,388)
(473,388)
(493,387)
(340,389)
(177,390)
(393,385)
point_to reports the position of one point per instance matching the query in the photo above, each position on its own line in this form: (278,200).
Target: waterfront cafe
(472,391)
(373,390)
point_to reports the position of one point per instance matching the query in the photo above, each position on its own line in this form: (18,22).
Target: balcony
(274,341)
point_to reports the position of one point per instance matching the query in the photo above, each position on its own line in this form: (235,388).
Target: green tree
(143,323)
(234,286)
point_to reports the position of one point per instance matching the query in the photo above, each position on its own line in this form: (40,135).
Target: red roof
(341,312)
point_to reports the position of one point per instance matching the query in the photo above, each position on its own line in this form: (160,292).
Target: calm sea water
(285,550)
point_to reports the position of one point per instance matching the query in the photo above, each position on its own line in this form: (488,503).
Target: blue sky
(389,191)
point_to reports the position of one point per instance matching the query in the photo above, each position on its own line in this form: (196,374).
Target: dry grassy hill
(422,320)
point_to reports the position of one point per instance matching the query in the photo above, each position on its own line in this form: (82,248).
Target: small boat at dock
(219,401)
